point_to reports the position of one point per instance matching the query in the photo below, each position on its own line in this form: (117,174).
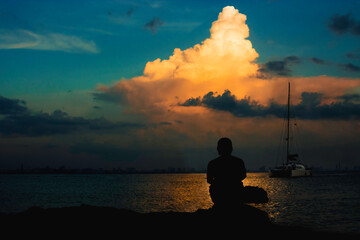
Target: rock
(252,194)
(86,220)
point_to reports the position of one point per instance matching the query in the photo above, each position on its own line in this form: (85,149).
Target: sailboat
(292,166)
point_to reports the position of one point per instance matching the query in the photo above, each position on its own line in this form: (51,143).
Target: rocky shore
(241,222)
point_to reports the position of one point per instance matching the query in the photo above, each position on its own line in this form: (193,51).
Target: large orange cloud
(226,60)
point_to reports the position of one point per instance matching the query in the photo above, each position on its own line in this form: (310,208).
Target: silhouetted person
(225,175)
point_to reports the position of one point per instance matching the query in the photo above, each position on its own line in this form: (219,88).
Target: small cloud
(350,67)
(130,12)
(122,18)
(24,39)
(106,94)
(317,60)
(154,25)
(280,67)
(353,55)
(341,24)
(292,59)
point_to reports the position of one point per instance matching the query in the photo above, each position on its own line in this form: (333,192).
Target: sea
(325,201)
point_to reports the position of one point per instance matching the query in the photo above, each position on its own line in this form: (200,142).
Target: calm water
(324,201)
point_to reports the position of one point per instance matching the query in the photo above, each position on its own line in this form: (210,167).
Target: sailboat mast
(288,127)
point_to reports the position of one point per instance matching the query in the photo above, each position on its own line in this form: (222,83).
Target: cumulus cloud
(24,39)
(219,68)
(224,58)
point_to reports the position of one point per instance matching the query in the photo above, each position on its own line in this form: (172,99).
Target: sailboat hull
(289,173)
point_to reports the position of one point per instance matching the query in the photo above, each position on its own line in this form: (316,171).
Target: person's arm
(242,170)
(209,174)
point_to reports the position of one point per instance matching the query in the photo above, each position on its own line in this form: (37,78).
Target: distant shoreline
(133,171)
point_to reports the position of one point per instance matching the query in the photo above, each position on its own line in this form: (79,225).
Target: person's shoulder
(214,161)
(236,158)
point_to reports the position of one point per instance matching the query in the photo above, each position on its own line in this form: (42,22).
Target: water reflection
(168,192)
(326,201)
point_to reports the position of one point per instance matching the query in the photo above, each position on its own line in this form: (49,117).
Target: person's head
(224,146)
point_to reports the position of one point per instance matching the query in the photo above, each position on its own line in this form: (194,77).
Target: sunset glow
(147,86)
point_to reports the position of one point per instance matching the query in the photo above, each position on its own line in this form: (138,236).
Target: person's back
(225,175)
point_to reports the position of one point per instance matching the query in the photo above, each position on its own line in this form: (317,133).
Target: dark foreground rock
(88,221)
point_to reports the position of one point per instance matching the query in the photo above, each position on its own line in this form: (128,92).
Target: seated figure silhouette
(225,175)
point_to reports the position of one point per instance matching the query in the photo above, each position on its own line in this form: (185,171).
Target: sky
(155,84)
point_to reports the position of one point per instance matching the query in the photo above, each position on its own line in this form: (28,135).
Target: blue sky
(277,29)
(55,54)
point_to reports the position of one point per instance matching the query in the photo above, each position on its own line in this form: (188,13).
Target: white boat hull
(300,173)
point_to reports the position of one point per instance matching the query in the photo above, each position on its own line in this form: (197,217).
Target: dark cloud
(341,24)
(280,67)
(154,25)
(109,95)
(19,121)
(350,67)
(356,29)
(192,102)
(346,109)
(130,12)
(12,106)
(310,99)
(227,102)
(310,106)
(350,98)
(317,60)
(353,55)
